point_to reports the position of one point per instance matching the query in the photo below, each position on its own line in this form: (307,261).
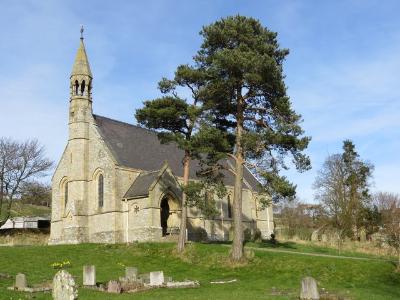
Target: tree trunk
(182,231)
(237,245)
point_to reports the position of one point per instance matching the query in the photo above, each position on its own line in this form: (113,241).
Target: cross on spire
(81,64)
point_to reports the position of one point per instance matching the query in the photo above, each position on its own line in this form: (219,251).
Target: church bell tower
(80,90)
(80,118)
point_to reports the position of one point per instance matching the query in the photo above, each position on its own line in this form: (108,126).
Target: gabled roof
(140,187)
(146,181)
(139,148)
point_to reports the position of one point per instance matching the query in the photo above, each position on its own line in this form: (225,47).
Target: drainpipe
(127,222)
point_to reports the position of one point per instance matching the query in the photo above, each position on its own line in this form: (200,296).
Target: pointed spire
(81,64)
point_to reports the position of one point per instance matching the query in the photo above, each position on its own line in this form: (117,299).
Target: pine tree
(245,95)
(179,120)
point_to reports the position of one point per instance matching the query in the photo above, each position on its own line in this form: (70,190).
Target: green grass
(357,279)
(22,209)
(313,248)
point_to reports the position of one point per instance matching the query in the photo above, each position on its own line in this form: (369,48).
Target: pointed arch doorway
(170,214)
(164,215)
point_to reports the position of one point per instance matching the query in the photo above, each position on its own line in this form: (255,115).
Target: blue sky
(342,72)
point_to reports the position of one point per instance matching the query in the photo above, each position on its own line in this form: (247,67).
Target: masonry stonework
(115,182)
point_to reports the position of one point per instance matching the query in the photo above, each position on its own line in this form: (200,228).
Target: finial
(82,32)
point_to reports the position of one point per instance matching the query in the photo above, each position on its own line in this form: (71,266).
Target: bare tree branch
(19,163)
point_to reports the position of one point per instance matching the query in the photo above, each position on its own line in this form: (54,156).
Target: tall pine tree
(245,95)
(179,120)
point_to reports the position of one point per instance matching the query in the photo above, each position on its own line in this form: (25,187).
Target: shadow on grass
(263,244)
(276,244)
(217,242)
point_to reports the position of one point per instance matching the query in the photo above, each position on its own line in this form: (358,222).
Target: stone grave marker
(324,238)
(89,275)
(20,282)
(131,273)
(64,287)
(114,286)
(363,236)
(145,278)
(314,236)
(309,289)
(156,278)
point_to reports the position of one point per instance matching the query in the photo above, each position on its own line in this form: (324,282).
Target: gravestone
(64,287)
(309,290)
(363,236)
(89,275)
(114,287)
(145,278)
(324,238)
(131,273)
(157,278)
(20,281)
(183,284)
(314,236)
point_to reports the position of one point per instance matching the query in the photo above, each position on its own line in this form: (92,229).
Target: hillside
(21,209)
(269,275)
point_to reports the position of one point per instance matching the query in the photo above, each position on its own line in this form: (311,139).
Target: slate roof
(140,187)
(140,148)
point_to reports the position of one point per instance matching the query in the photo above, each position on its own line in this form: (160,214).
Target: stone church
(116,183)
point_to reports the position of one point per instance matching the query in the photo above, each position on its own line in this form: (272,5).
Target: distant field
(355,279)
(21,209)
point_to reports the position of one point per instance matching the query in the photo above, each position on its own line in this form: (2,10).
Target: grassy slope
(309,247)
(21,209)
(358,279)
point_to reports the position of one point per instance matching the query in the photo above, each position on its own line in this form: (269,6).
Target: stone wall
(137,219)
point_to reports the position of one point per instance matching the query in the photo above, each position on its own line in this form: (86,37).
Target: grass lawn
(19,209)
(314,248)
(356,279)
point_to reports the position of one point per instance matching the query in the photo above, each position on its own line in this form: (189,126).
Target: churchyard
(267,275)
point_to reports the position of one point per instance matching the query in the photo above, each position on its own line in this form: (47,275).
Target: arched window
(229,207)
(100,190)
(76,87)
(89,87)
(83,87)
(65,193)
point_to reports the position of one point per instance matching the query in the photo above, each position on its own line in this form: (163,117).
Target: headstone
(114,287)
(131,273)
(314,236)
(20,281)
(64,287)
(324,238)
(309,290)
(89,275)
(336,237)
(363,236)
(157,278)
(183,284)
(145,278)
